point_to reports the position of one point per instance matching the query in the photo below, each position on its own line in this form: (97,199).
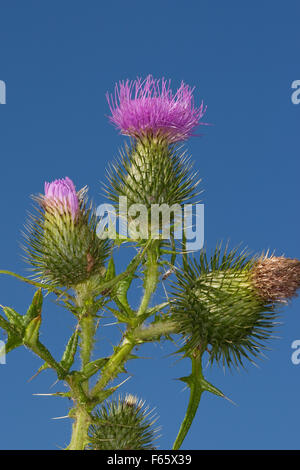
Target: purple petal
(63,193)
(146,107)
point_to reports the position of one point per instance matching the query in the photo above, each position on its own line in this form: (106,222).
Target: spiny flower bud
(62,244)
(227,304)
(149,108)
(123,424)
(61,195)
(152,172)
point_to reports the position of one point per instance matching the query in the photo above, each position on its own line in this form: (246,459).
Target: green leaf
(197,385)
(157,308)
(121,294)
(211,388)
(14,318)
(187,380)
(119,314)
(6,325)
(35,308)
(13,341)
(104,394)
(93,367)
(107,285)
(111,270)
(45,366)
(70,351)
(194,382)
(31,334)
(16,326)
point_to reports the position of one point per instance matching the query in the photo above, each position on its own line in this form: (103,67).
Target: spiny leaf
(8,327)
(134,263)
(70,351)
(13,341)
(14,336)
(111,270)
(31,334)
(93,367)
(45,366)
(35,307)
(14,318)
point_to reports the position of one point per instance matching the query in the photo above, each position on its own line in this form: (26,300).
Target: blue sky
(58,59)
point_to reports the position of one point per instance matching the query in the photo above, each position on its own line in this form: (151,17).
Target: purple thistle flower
(141,108)
(62,194)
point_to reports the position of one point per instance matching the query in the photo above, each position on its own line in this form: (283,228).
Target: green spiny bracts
(152,172)
(227,304)
(62,245)
(123,424)
(155,180)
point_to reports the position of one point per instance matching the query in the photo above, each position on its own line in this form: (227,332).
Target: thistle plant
(224,304)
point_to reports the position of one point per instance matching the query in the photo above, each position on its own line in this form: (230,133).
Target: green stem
(155,330)
(157,308)
(113,367)
(118,359)
(87,339)
(85,302)
(80,429)
(81,410)
(195,382)
(150,282)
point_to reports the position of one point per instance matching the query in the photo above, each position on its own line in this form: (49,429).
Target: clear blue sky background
(58,59)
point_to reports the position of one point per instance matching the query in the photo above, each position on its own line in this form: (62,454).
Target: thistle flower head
(123,424)
(61,195)
(228,303)
(62,245)
(150,108)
